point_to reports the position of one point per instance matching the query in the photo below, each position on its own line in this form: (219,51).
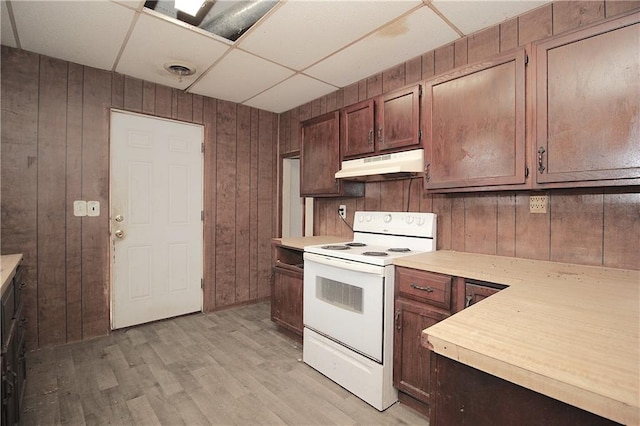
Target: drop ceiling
(300,50)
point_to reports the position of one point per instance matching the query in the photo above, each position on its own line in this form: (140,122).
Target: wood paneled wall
(55,149)
(593,227)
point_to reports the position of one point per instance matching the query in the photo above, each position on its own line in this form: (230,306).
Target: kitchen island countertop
(567,331)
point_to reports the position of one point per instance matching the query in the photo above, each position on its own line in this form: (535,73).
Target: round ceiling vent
(180,69)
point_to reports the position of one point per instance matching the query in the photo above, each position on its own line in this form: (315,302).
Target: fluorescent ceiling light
(189,6)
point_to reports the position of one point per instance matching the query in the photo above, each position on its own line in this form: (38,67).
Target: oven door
(344,301)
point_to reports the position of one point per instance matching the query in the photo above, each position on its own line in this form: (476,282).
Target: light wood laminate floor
(230,367)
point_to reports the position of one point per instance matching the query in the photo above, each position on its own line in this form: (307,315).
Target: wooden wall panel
(535,25)
(617,7)
(374,85)
(509,35)
(55,149)
(506,237)
(225,203)
(73,180)
(532,231)
(481,224)
(483,45)
(568,15)
(19,147)
(393,78)
(95,186)
(242,209)
(51,202)
(621,230)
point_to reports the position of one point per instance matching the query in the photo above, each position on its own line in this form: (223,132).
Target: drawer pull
(417,287)
(22,285)
(398,325)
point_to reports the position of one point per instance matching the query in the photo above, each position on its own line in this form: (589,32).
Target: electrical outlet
(538,203)
(342,211)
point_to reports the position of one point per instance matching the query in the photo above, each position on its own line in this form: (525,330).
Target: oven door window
(346,306)
(340,295)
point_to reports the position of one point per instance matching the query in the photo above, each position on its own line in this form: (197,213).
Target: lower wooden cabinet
(286,299)
(14,364)
(463,395)
(421,300)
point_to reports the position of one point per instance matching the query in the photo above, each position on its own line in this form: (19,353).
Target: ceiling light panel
(300,33)
(235,78)
(155,42)
(400,41)
(8,38)
(85,32)
(295,91)
(472,16)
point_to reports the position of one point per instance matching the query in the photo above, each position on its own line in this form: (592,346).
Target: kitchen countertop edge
(9,263)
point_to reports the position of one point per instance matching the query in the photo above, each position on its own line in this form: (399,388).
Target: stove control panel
(396,223)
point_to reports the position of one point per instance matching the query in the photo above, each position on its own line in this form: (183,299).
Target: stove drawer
(426,287)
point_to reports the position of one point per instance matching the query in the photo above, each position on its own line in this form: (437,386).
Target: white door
(156,224)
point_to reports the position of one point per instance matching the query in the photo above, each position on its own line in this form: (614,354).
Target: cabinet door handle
(468,300)
(541,152)
(370,136)
(22,285)
(397,320)
(417,287)
(427,178)
(380,138)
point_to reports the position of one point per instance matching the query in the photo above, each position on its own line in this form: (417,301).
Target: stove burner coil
(399,249)
(356,244)
(375,253)
(336,247)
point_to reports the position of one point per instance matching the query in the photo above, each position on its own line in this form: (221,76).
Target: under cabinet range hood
(387,166)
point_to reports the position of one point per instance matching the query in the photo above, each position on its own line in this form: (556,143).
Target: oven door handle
(344,264)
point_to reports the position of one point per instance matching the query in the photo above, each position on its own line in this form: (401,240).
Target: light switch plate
(79,208)
(93,208)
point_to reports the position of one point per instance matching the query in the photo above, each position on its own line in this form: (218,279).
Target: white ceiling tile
(295,91)
(133,4)
(300,33)
(8,38)
(235,78)
(155,42)
(85,32)
(406,38)
(471,16)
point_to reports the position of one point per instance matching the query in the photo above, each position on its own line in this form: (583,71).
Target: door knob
(119,218)
(119,233)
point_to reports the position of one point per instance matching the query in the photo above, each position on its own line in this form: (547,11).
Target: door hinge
(201,282)
(202,147)
(526,59)
(420,91)
(420,135)
(526,172)
(202,215)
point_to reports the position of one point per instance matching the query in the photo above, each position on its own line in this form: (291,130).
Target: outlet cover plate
(538,203)
(79,208)
(342,211)
(93,208)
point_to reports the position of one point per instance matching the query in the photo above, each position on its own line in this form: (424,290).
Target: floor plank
(230,367)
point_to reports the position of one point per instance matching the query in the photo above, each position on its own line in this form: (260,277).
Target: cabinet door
(410,359)
(320,156)
(588,106)
(474,121)
(356,129)
(398,119)
(286,299)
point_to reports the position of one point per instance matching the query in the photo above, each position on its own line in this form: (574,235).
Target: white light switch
(93,208)
(79,208)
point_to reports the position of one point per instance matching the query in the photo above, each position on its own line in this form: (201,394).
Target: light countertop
(8,265)
(300,242)
(567,331)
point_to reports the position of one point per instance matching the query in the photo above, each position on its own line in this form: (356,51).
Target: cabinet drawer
(422,286)
(8,310)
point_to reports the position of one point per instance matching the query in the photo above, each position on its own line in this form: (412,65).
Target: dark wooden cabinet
(387,123)
(287,290)
(462,395)
(474,123)
(421,300)
(320,159)
(588,106)
(14,367)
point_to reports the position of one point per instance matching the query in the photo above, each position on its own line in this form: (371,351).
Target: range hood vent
(387,166)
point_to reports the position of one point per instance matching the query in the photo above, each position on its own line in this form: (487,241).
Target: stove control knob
(387,218)
(360,218)
(420,221)
(368,218)
(409,220)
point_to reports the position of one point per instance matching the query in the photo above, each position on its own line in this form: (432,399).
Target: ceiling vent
(181,70)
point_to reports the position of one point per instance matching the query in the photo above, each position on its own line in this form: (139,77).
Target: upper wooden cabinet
(320,159)
(474,122)
(588,106)
(389,122)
